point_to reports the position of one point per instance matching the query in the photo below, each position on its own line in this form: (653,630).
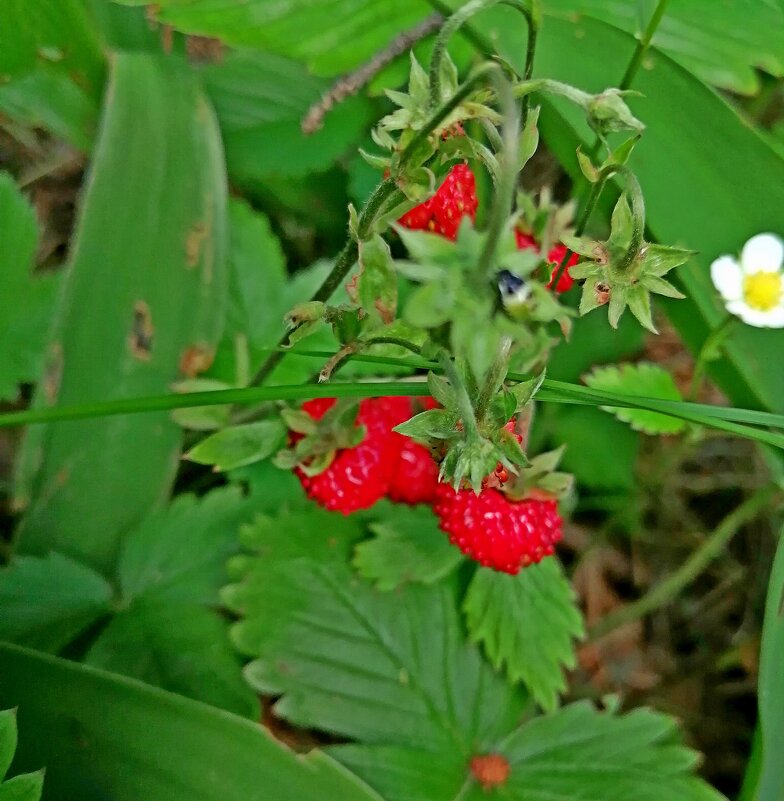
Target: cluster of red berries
(442,213)
(455,199)
(490,527)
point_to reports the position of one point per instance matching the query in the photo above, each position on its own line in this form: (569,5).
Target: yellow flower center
(762,291)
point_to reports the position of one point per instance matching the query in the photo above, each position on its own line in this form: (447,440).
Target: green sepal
(441,390)
(430,424)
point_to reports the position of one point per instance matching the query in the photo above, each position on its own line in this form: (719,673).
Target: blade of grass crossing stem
(143,305)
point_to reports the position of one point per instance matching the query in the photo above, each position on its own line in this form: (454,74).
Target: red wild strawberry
(496,531)
(416,473)
(442,213)
(555,256)
(415,479)
(358,477)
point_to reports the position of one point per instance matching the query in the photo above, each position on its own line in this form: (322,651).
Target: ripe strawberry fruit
(443,212)
(415,477)
(358,477)
(555,256)
(496,531)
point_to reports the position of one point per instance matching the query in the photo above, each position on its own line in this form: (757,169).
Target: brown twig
(352,82)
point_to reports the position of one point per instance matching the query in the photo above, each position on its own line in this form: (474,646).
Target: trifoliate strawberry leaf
(527,624)
(45,602)
(167,630)
(26,786)
(643,380)
(393,670)
(238,446)
(407,547)
(346,658)
(574,753)
(25,320)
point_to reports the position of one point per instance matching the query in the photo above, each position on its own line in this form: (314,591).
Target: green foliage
(261,99)
(53,67)
(46,602)
(695,34)
(238,446)
(407,546)
(771,687)
(644,380)
(576,752)
(331,37)
(119,334)
(527,624)
(166,629)
(106,736)
(26,317)
(392,669)
(27,786)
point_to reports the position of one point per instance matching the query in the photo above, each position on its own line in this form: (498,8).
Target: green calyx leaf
(375,286)
(238,446)
(431,424)
(313,453)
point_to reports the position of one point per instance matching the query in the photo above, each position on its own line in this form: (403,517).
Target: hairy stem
(507,180)
(343,264)
(530,10)
(675,583)
(463,400)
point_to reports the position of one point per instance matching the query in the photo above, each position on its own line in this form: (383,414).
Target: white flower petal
(727,277)
(762,254)
(774,318)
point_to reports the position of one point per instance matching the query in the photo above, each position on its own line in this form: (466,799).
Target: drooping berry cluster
(492,528)
(453,200)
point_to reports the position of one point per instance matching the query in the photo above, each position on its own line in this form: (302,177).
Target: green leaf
(239,445)
(107,736)
(26,787)
(386,668)
(581,753)
(574,753)
(643,380)
(201,418)
(771,686)
(46,602)
(52,64)
(166,630)
(7,739)
(333,37)
(407,547)
(527,624)
(118,331)
(377,281)
(180,647)
(261,100)
(26,320)
(720,44)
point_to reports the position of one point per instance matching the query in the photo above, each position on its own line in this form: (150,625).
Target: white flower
(753,289)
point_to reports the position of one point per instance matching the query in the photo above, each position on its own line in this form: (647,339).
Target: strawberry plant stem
(343,263)
(676,582)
